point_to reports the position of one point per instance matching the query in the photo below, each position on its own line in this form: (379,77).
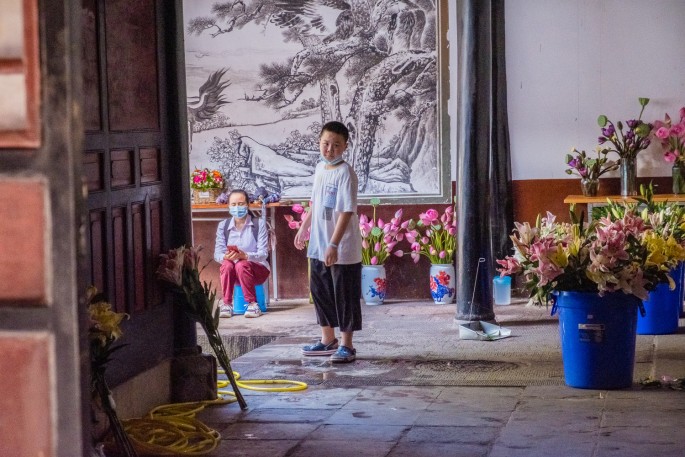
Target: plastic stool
(239,304)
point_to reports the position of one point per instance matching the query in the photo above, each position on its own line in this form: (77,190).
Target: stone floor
(418,389)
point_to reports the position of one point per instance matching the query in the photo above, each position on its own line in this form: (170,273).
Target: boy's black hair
(336,127)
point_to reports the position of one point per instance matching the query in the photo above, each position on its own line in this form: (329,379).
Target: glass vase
(628,170)
(589,186)
(678,175)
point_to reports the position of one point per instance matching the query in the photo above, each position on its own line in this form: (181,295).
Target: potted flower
(589,170)
(597,276)
(672,139)
(626,143)
(206,185)
(434,236)
(379,239)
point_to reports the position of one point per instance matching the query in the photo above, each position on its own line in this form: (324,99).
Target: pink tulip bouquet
(434,236)
(379,238)
(294,222)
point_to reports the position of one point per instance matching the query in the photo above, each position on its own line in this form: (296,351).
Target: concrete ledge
(151,388)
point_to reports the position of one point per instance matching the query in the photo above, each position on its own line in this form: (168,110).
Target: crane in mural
(206,104)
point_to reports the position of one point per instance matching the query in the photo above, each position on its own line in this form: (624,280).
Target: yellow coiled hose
(173,430)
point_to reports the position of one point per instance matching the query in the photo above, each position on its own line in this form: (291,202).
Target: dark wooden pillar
(484,198)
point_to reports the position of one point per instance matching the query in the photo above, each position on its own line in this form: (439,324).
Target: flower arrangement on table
(672,139)
(589,170)
(434,236)
(179,269)
(627,144)
(206,185)
(608,255)
(205,179)
(379,238)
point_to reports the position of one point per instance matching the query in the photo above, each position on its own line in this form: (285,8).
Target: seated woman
(241,248)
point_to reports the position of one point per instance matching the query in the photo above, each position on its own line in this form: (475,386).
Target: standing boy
(335,248)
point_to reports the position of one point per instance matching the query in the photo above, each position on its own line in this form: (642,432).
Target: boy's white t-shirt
(335,192)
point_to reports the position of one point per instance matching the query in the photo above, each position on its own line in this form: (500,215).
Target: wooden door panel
(132,65)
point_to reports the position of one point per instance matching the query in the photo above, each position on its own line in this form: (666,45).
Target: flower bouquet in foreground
(104,330)
(619,252)
(179,268)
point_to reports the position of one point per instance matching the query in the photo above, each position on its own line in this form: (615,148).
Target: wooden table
(601,200)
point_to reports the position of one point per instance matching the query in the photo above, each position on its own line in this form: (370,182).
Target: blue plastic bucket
(662,311)
(597,339)
(680,286)
(239,305)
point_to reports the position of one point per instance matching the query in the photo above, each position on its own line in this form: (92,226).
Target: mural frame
(219,79)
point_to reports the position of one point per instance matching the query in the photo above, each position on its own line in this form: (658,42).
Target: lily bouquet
(379,238)
(667,219)
(609,255)
(626,143)
(104,330)
(672,137)
(179,268)
(434,236)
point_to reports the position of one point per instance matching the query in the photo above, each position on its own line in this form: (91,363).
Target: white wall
(569,61)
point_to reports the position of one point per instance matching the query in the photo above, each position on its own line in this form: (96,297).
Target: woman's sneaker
(344,355)
(225,311)
(320,348)
(253,310)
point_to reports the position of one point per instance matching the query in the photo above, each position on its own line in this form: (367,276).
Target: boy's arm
(331,255)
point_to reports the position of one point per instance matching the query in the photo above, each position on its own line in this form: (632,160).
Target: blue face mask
(237,211)
(332,162)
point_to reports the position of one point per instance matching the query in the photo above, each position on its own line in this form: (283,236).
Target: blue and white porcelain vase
(373,284)
(442,283)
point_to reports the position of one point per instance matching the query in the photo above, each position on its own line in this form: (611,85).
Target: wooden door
(132,164)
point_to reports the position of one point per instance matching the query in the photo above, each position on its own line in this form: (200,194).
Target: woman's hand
(235,255)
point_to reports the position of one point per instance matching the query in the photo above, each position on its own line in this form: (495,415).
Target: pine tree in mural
(376,69)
